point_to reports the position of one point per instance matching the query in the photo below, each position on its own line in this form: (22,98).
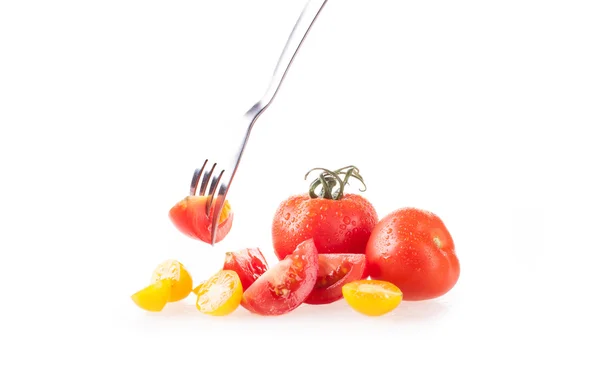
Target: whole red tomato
(412,249)
(337,222)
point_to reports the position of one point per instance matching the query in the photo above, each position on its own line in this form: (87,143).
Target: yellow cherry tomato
(372,297)
(179,277)
(154,297)
(221,294)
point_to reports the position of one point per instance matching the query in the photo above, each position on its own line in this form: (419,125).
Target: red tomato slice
(286,285)
(189,217)
(248,263)
(335,270)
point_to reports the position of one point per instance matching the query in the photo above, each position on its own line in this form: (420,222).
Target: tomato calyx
(332,183)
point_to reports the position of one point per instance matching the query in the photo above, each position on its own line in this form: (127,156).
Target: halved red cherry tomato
(335,270)
(286,285)
(248,263)
(189,217)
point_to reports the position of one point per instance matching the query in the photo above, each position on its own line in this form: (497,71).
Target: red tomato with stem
(286,285)
(335,270)
(248,263)
(412,249)
(337,222)
(190,218)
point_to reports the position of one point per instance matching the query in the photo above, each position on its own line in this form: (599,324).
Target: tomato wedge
(286,285)
(190,218)
(372,297)
(335,270)
(249,264)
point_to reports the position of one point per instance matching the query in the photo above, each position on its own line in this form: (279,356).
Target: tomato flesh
(335,270)
(285,286)
(190,218)
(249,264)
(372,297)
(220,295)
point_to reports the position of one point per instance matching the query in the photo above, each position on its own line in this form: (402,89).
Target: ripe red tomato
(412,249)
(335,270)
(189,217)
(248,263)
(286,285)
(337,222)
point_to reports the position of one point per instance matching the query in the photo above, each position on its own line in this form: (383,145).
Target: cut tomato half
(286,285)
(372,297)
(179,276)
(220,295)
(335,270)
(154,297)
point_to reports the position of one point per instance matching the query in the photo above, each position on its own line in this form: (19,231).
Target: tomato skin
(412,249)
(335,270)
(372,297)
(248,263)
(285,286)
(336,226)
(189,217)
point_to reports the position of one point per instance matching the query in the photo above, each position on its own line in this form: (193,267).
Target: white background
(483,112)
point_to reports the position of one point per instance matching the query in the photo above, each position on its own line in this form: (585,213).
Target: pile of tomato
(330,245)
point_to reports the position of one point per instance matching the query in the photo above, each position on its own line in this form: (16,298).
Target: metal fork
(220,174)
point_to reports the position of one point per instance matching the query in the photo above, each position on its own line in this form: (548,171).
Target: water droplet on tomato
(354,223)
(389,231)
(342,226)
(287,216)
(348,234)
(346,220)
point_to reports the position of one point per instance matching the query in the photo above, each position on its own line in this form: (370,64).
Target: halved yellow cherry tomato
(154,297)
(179,277)
(221,294)
(372,297)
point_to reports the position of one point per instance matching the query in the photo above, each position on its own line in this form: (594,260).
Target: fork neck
(256,110)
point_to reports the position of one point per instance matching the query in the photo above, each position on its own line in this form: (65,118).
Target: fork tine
(196,179)
(205,180)
(218,206)
(211,192)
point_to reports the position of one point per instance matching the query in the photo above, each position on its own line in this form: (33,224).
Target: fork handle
(303,25)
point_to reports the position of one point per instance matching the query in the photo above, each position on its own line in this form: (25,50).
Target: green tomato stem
(329,180)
